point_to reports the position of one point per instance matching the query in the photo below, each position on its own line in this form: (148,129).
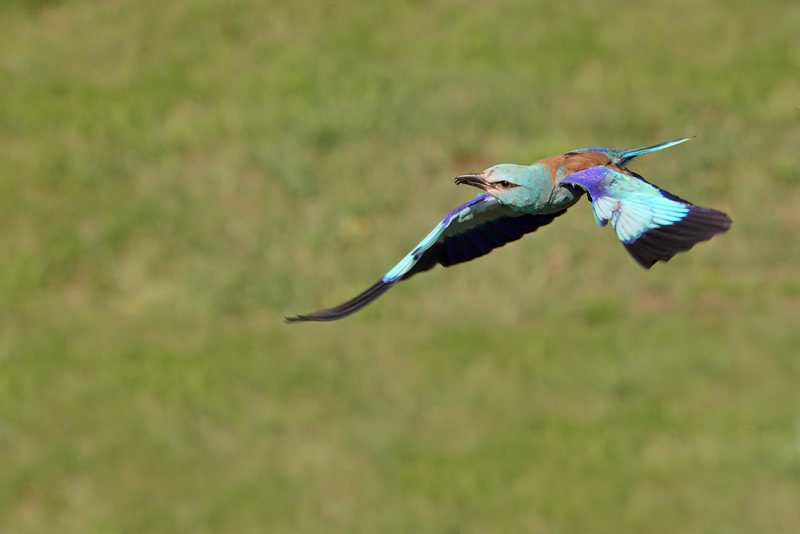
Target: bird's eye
(504,184)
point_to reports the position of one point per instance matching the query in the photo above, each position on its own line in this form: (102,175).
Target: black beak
(475,179)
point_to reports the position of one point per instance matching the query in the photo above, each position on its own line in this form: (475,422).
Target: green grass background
(177,176)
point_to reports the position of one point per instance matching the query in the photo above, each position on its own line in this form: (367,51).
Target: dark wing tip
(343,310)
(296,319)
(662,243)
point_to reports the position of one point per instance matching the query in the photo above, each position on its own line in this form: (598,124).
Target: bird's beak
(475,179)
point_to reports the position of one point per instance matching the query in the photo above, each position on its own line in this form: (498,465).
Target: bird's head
(513,185)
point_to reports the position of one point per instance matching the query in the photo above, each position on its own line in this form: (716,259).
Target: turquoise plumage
(652,223)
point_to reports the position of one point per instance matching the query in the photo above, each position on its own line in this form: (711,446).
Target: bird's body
(653,224)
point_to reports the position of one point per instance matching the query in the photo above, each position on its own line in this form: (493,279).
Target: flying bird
(652,223)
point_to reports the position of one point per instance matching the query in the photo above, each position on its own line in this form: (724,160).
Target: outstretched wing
(466,233)
(652,223)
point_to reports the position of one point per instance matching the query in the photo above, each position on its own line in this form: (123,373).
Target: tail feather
(623,157)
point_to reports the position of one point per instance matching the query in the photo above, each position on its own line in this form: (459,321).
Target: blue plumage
(471,243)
(651,223)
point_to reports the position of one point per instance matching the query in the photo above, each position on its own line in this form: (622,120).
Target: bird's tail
(622,157)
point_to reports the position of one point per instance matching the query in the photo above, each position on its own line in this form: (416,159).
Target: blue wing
(652,223)
(467,232)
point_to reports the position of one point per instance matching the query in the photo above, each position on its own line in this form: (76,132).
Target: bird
(652,223)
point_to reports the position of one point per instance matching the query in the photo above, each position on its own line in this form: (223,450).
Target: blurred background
(176,177)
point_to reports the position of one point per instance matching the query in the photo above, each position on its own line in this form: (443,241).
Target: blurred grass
(177,177)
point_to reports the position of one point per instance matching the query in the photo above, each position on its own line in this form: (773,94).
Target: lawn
(176,177)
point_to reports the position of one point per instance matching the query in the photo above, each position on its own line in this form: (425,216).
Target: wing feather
(652,223)
(467,232)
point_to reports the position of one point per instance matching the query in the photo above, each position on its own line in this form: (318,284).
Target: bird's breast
(564,196)
(541,192)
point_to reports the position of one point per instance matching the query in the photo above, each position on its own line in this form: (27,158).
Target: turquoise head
(528,188)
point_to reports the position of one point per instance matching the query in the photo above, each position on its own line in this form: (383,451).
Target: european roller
(652,223)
